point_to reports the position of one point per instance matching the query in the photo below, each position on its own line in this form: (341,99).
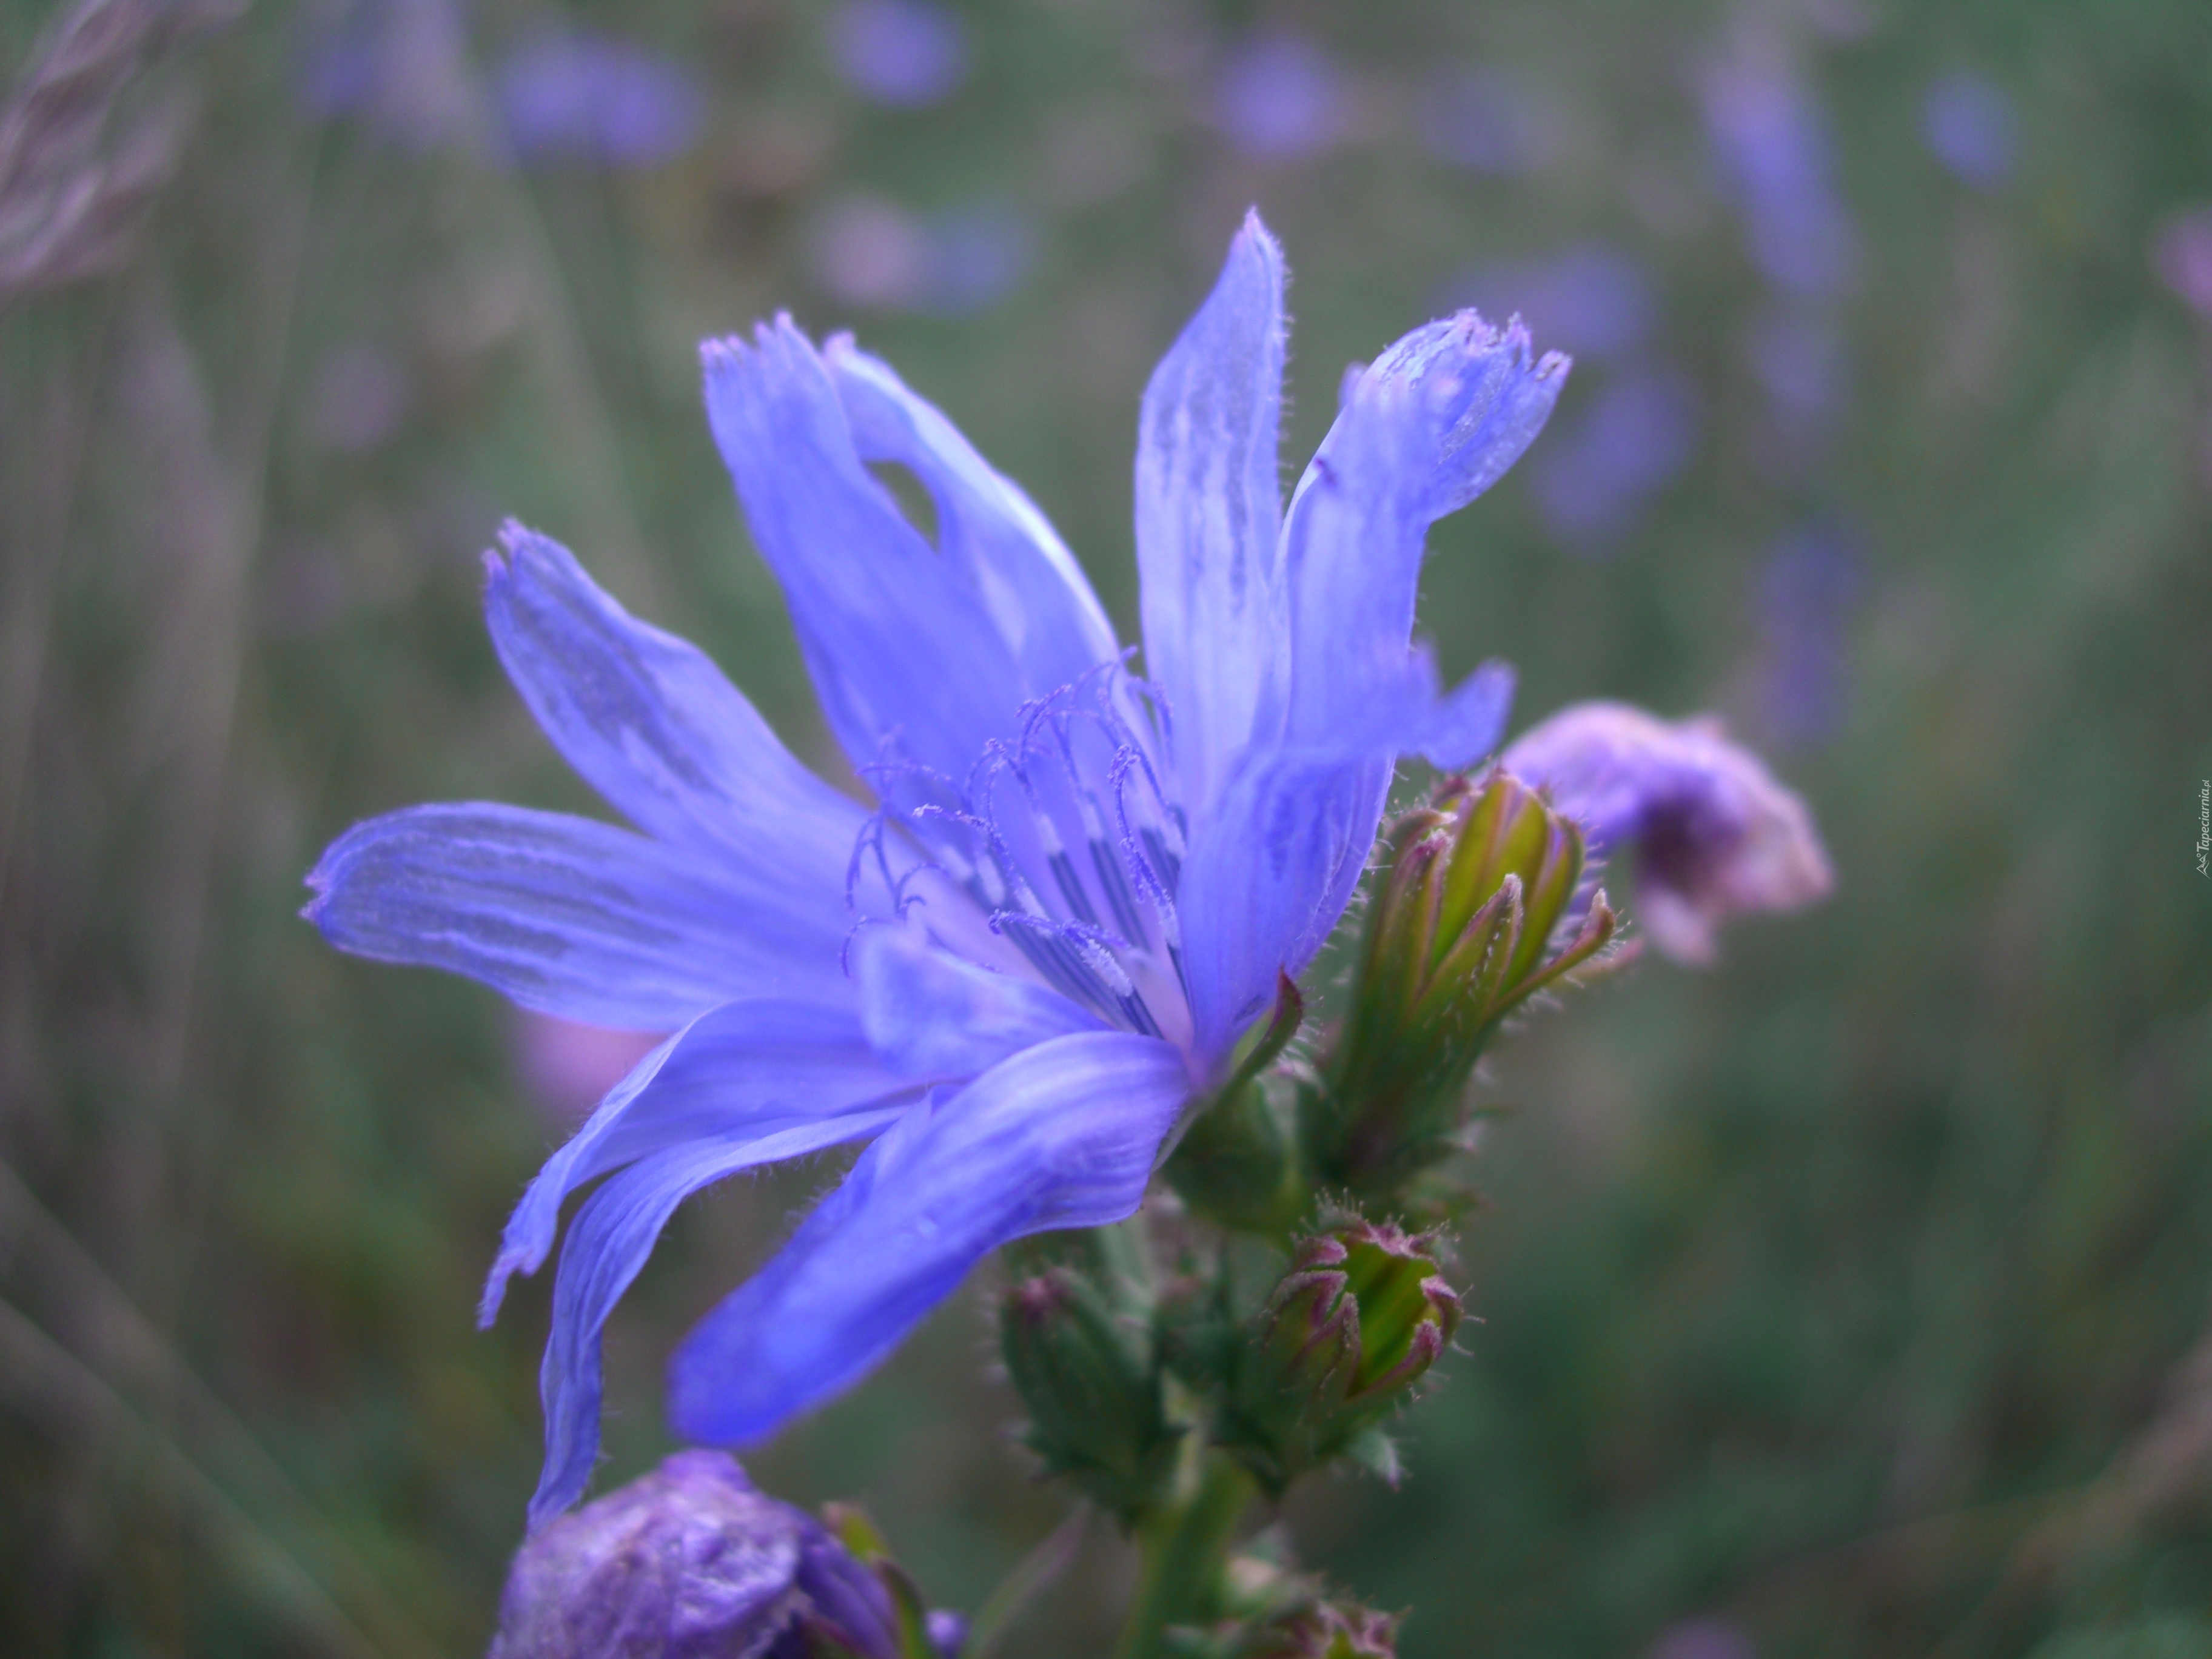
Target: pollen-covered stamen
(870,840)
(1065,878)
(1113,879)
(1145,850)
(1081,962)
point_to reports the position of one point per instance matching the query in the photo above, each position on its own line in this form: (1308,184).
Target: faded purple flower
(578,96)
(906,53)
(689,1562)
(1596,475)
(1966,121)
(1281,97)
(1712,832)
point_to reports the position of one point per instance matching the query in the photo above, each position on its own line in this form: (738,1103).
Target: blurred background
(1854,1298)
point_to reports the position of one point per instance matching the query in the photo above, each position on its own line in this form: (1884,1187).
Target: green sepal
(863,1540)
(1237,1163)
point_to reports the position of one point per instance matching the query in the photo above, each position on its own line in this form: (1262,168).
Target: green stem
(1185,1548)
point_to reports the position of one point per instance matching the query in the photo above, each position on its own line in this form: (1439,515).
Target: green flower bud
(1086,1371)
(1363,1312)
(1462,931)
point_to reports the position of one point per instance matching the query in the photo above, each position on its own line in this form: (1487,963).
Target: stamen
(1133,854)
(1079,966)
(1115,881)
(1070,886)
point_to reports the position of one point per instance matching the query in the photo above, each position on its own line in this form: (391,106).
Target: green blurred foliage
(1850,1299)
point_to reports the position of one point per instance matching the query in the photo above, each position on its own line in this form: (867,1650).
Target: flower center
(1064,839)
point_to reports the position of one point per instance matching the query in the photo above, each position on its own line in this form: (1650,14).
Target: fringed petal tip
(1440,416)
(1255,245)
(720,354)
(515,548)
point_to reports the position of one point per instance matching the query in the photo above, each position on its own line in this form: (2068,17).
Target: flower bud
(1361,1315)
(1085,1371)
(1321,1630)
(691,1560)
(1474,887)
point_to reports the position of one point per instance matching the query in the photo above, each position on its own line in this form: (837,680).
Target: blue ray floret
(1016,977)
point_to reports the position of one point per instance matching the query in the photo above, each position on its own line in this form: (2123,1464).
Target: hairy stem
(1185,1548)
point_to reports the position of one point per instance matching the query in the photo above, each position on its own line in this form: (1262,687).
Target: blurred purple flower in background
(906,53)
(568,1067)
(1594,477)
(1799,354)
(1966,121)
(355,398)
(871,253)
(1010,981)
(977,256)
(1280,96)
(1594,300)
(580,96)
(400,67)
(1778,159)
(1701,1638)
(2181,253)
(1805,595)
(1488,120)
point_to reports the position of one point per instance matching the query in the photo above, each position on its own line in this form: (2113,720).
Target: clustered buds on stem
(1362,1314)
(1475,885)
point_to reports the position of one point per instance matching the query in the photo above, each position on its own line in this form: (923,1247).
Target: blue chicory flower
(1015,977)
(1712,832)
